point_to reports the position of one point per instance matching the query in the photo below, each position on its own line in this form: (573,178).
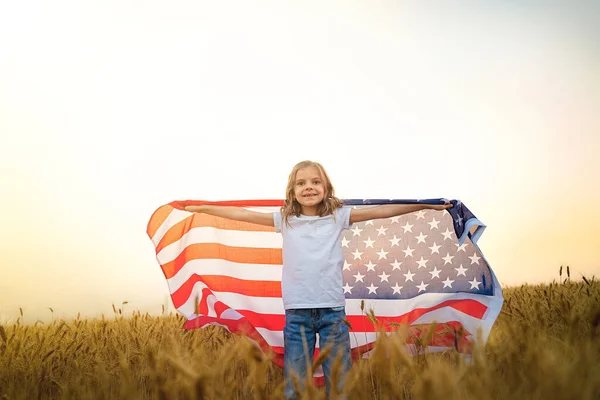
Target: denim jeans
(302,326)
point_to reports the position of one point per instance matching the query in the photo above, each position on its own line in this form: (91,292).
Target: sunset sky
(110,110)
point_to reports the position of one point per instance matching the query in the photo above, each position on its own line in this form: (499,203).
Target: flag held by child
(413,270)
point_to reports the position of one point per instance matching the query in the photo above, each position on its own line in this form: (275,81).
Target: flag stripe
(253,239)
(223,283)
(249,272)
(246,255)
(177,227)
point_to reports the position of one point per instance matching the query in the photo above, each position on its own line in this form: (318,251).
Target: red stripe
(470,307)
(219,283)
(242,255)
(361,323)
(203,303)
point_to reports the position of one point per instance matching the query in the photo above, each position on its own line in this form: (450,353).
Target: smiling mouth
(310,195)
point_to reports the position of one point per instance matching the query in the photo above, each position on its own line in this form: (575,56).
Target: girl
(311,222)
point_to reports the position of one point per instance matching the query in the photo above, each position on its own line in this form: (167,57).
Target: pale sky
(110,110)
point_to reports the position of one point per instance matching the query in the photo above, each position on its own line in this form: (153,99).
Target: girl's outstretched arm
(235,213)
(391,210)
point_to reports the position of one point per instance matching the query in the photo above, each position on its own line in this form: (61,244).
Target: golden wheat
(545,344)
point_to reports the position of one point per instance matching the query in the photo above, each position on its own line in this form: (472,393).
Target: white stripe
(234,238)
(175,216)
(252,272)
(261,305)
(391,308)
(273,338)
(269,305)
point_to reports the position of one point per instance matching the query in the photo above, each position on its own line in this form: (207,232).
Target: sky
(109,110)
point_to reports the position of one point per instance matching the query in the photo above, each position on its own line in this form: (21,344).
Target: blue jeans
(301,327)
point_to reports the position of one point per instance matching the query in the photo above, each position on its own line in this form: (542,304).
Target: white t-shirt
(313,259)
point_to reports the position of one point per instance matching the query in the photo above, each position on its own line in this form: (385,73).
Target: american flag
(410,270)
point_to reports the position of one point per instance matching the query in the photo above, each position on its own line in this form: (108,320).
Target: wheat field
(544,345)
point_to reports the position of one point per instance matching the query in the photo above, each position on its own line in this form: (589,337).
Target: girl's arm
(391,210)
(235,213)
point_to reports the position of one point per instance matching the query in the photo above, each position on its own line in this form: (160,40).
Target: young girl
(311,222)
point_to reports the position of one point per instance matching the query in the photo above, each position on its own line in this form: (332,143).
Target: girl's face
(309,189)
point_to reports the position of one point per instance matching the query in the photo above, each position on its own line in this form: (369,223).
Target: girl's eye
(316,182)
(300,183)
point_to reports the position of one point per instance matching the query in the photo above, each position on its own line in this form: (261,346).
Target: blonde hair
(291,206)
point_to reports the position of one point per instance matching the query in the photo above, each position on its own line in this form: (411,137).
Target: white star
(434,223)
(383,254)
(370,266)
(345,242)
(448,283)
(474,284)
(461,247)
(408,251)
(394,241)
(356,231)
(369,222)
(372,288)
(356,254)
(347,265)
(474,259)
(422,263)
(397,288)
(435,248)
(347,288)
(369,242)
(459,220)
(407,227)
(381,231)
(460,271)
(422,286)
(435,273)
(383,277)
(447,234)
(420,214)
(447,259)
(395,219)
(359,277)
(408,276)
(421,238)
(396,265)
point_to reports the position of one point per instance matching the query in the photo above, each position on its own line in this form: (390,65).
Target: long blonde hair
(291,206)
